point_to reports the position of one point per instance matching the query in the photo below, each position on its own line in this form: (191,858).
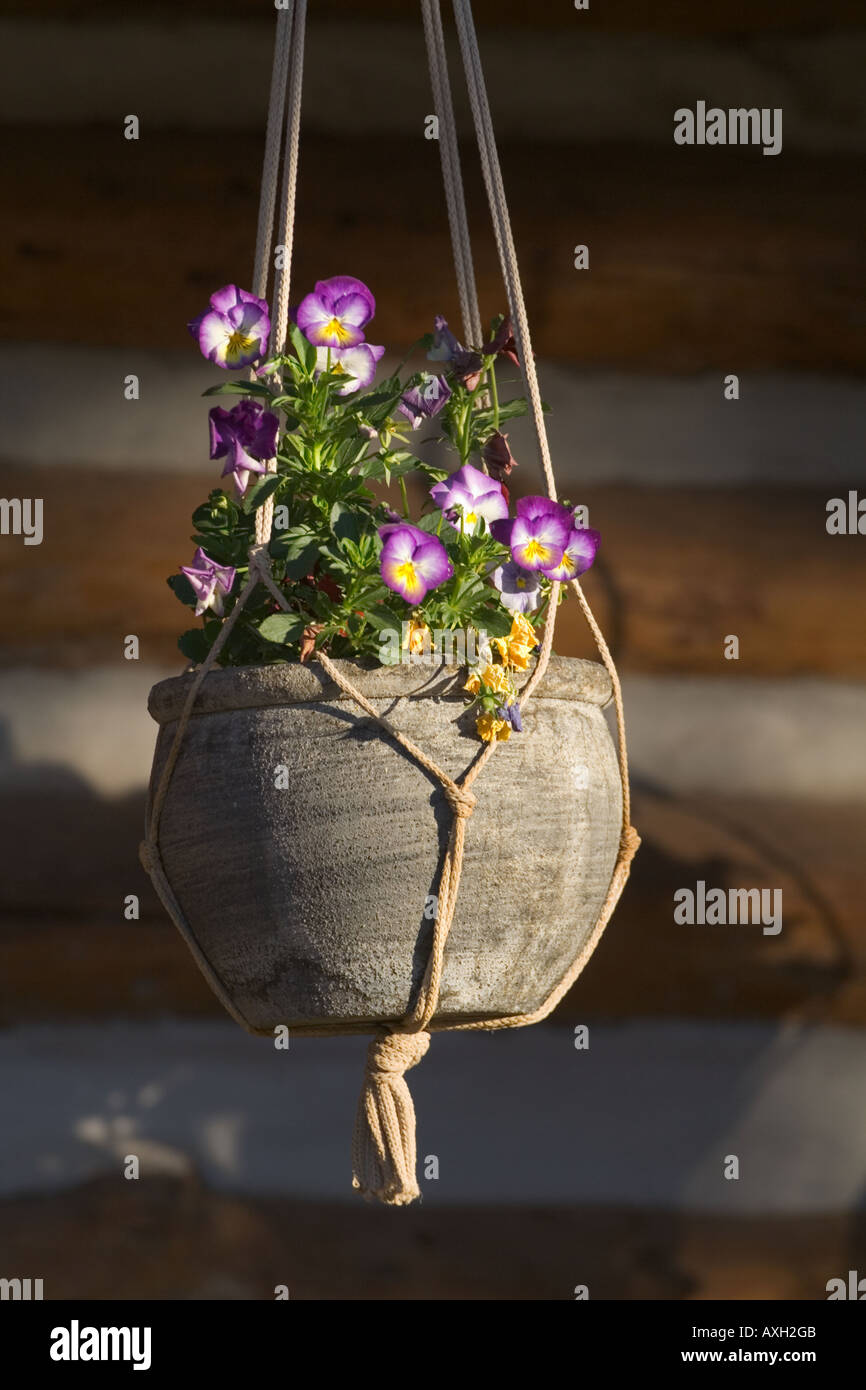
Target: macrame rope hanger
(383,1149)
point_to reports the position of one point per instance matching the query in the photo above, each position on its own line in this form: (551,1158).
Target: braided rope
(384,1154)
(449,154)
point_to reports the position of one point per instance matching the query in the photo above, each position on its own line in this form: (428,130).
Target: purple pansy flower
(336,313)
(538,534)
(413,562)
(578,555)
(358,362)
(234,331)
(210,581)
(470,493)
(244,436)
(426,399)
(518,588)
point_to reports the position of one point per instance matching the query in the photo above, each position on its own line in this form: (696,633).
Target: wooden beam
(730,261)
(642,16)
(678,570)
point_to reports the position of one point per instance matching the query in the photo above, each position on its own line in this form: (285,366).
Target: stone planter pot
(303,846)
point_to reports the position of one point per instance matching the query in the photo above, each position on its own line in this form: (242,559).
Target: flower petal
(342,288)
(578,555)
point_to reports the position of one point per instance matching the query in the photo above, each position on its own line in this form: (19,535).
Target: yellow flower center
(536,551)
(521,583)
(470,518)
(238,343)
(406,573)
(342,334)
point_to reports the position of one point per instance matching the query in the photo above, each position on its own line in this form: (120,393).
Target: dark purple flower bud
(467,367)
(502,343)
(498,457)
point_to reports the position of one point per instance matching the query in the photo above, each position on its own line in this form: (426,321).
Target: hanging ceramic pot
(303,847)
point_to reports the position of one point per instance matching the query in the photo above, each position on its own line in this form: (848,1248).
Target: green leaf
(298,547)
(240,388)
(508,410)
(217,516)
(305,350)
(260,491)
(430,523)
(344,523)
(496,622)
(382,618)
(375,406)
(282,627)
(194,645)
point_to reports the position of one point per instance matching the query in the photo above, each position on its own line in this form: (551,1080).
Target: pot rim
(290,683)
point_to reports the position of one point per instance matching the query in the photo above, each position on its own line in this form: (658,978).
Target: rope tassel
(383,1146)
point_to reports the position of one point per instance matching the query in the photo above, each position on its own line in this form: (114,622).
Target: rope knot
(260,560)
(392,1055)
(461,800)
(629,843)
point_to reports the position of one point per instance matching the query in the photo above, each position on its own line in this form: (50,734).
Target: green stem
(465,432)
(405,497)
(494,394)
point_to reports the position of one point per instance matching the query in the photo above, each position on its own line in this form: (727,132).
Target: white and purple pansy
(471,495)
(245,436)
(412,562)
(538,534)
(577,556)
(210,582)
(234,331)
(358,363)
(336,313)
(519,589)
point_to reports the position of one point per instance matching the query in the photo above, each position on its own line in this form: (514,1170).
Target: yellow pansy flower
(418,637)
(522,632)
(496,679)
(489,727)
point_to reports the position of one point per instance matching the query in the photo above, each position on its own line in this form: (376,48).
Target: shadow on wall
(69,861)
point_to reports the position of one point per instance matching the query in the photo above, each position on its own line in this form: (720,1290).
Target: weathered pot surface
(303,845)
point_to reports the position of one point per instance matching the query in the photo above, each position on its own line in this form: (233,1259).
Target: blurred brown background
(703,262)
